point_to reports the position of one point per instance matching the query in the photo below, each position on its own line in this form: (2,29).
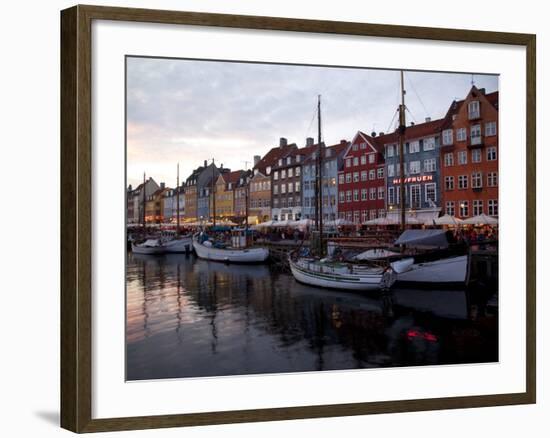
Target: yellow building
(224,197)
(154,206)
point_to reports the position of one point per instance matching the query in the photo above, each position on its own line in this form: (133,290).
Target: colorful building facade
(469,155)
(361,181)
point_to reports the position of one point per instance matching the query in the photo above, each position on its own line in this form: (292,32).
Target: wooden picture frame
(76,218)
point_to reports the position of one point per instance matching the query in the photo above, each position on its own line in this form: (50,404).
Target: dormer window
(280,162)
(473,110)
(268,170)
(298,158)
(288,160)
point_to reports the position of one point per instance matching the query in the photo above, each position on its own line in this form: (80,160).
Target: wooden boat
(164,246)
(340,275)
(232,254)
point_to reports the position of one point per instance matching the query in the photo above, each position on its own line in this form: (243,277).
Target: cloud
(187,111)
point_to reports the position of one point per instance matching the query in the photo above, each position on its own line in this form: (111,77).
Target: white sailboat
(206,250)
(338,275)
(327,273)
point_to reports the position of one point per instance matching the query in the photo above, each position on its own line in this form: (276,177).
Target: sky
(188,111)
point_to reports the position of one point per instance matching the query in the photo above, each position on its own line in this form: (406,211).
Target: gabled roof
(335,149)
(411,132)
(271,158)
(456,105)
(233,177)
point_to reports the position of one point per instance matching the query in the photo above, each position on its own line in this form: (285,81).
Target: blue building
(332,162)
(422,171)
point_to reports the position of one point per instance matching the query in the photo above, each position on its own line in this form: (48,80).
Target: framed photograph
(305,218)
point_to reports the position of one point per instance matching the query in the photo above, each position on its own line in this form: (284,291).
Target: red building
(362,182)
(469,156)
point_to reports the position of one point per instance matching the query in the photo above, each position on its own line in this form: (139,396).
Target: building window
(464,208)
(461,134)
(449,159)
(449,183)
(297,171)
(429,144)
(475,134)
(372,174)
(297,186)
(288,160)
(363,159)
(493,207)
(356,195)
(463,181)
(276,175)
(348,177)
(355,161)
(414,167)
(356,216)
(381,193)
(462,158)
(371,158)
(450,208)
(275,189)
(283,174)
(355,176)
(391,198)
(490,129)
(341,197)
(372,214)
(290,173)
(363,145)
(473,110)
(476,156)
(415,195)
(391,171)
(348,196)
(372,193)
(414,147)
(492,153)
(477,180)
(290,202)
(447,137)
(477,207)
(492,179)
(363,175)
(390,150)
(290,187)
(283,188)
(348,162)
(364,215)
(275,202)
(341,178)
(380,173)
(355,147)
(429,165)
(363,194)
(430,192)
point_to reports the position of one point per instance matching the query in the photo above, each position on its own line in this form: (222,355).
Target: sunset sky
(187,111)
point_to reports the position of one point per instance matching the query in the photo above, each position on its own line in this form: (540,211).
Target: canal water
(188,317)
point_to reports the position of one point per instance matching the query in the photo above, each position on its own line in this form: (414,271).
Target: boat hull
(148,250)
(365,282)
(181,245)
(249,255)
(452,270)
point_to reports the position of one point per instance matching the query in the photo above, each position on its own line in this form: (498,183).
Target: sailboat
(435,260)
(326,272)
(238,251)
(167,244)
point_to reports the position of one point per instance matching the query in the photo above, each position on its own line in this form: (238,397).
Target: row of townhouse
(450,166)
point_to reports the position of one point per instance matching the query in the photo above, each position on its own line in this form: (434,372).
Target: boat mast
(402,127)
(320,175)
(178,202)
(143,216)
(245,176)
(212,186)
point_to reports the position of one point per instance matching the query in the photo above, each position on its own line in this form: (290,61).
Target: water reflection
(188,318)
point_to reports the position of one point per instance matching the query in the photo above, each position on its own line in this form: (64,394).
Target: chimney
(412,123)
(380,134)
(482,91)
(162,185)
(282,142)
(343,141)
(373,134)
(428,119)
(257,159)
(309,141)
(205,163)
(130,188)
